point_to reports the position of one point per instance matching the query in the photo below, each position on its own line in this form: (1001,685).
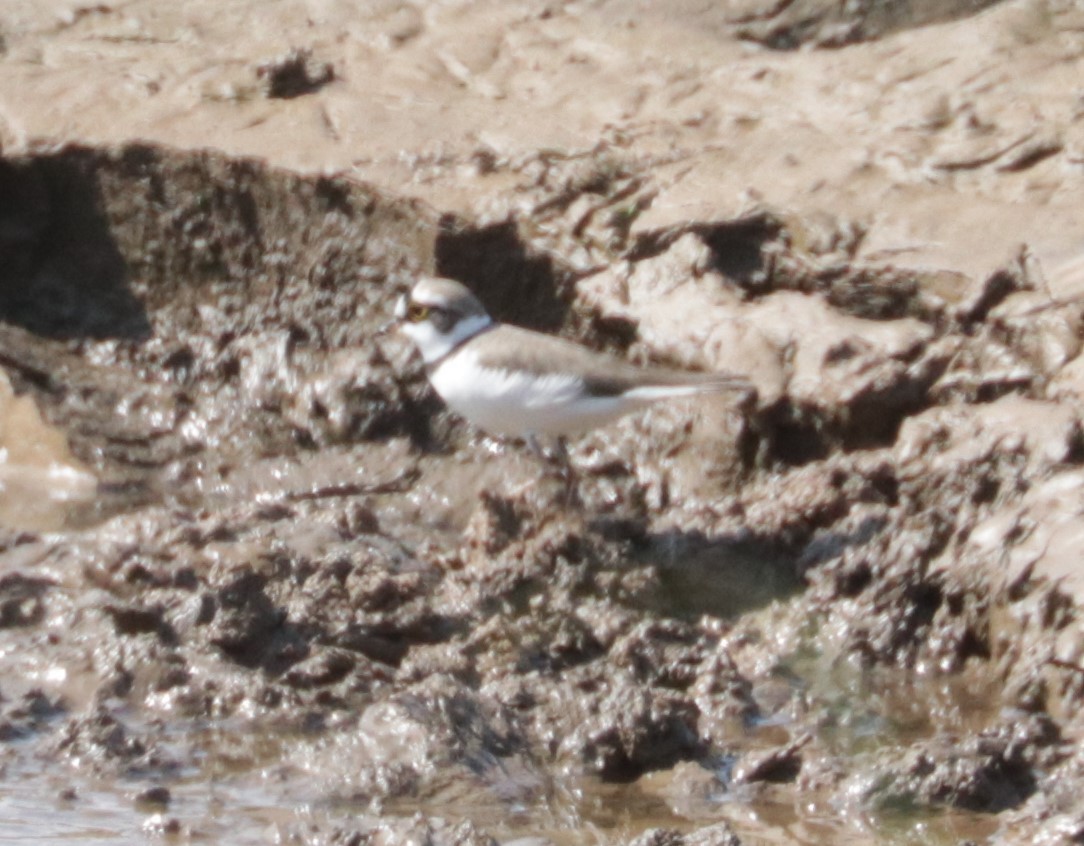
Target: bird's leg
(567,472)
(556,456)
(560,452)
(534,446)
(557,460)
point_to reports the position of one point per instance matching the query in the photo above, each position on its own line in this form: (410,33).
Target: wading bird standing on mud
(511,381)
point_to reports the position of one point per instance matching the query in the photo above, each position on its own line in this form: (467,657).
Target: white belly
(513,403)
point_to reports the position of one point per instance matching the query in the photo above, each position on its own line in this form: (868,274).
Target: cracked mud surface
(256,585)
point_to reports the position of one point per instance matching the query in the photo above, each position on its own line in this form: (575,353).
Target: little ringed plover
(511,381)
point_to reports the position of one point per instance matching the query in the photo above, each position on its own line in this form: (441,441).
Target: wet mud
(297,577)
(258,585)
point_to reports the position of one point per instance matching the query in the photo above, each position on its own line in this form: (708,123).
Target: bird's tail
(695,384)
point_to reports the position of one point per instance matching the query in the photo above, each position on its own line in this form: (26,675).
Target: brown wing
(603,375)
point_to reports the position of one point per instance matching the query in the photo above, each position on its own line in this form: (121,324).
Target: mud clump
(319,580)
(294,74)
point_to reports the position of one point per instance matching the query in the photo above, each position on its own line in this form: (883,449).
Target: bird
(512,381)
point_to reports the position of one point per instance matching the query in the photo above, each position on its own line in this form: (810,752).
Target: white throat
(434,345)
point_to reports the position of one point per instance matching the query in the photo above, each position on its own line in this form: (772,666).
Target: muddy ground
(256,585)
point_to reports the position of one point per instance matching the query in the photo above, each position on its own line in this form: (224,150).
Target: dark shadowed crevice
(793,24)
(516,283)
(61,271)
(737,247)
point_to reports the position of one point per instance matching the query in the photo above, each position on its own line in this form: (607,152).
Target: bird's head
(438,315)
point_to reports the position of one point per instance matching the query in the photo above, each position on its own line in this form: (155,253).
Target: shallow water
(37,806)
(243,786)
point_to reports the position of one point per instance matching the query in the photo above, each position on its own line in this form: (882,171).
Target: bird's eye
(417,312)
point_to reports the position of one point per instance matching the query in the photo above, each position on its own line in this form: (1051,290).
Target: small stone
(154,796)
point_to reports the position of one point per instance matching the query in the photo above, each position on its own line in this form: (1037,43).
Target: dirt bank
(254,578)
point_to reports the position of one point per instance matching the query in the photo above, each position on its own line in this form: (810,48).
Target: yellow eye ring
(417,313)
